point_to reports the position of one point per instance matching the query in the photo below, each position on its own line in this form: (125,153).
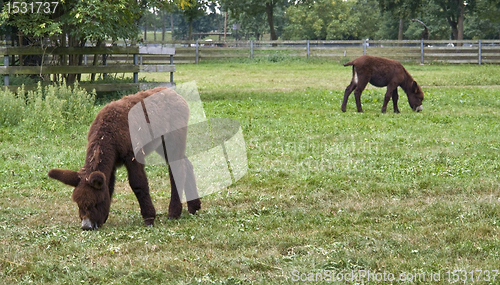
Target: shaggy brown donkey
(382,72)
(109,146)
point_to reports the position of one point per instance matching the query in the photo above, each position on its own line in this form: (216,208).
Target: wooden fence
(119,60)
(467,51)
(155,57)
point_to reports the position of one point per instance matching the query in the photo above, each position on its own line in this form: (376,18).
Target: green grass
(326,190)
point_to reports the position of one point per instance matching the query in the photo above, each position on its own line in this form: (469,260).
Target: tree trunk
(164,23)
(454,27)
(94,62)
(190,29)
(270,20)
(452,21)
(460,24)
(63,57)
(154,25)
(172,26)
(400,32)
(225,25)
(74,60)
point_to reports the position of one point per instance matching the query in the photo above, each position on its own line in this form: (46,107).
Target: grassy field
(404,196)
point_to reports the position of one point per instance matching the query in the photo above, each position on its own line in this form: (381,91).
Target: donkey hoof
(149,222)
(194,206)
(173,215)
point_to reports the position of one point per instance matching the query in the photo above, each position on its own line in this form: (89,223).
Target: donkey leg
(192,196)
(395,98)
(388,96)
(139,184)
(357,94)
(111,182)
(347,92)
(176,188)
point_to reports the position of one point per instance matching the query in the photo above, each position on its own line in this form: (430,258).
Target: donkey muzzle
(88,225)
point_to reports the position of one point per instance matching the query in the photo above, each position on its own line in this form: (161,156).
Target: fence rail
(127,61)
(466,51)
(158,57)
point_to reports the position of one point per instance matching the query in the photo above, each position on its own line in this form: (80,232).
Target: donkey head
(91,194)
(415,97)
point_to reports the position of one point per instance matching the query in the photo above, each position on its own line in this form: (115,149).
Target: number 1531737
(31,7)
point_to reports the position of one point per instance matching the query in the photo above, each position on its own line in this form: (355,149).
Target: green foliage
(337,20)
(245,10)
(11,108)
(379,19)
(403,9)
(36,24)
(360,21)
(49,108)
(91,20)
(97,20)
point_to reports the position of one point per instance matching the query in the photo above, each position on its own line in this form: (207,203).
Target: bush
(11,107)
(53,107)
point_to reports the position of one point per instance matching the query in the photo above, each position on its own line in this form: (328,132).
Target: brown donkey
(109,146)
(382,72)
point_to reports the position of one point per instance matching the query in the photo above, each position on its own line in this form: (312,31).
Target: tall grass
(12,107)
(52,108)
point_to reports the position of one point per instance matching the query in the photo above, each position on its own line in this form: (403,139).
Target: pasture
(325,191)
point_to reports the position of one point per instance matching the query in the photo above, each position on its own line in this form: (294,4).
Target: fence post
(307,49)
(364,46)
(479,60)
(197,52)
(104,62)
(422,51)
(136,74)
(251,49)
(171,73)
(6,76)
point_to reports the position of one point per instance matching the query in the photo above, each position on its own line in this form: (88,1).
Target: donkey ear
(68,177)
(97,179)
(414,86)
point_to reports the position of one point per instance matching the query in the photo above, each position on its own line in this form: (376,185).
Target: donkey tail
(349,63)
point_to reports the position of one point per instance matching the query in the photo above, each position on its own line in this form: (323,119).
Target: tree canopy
(84,22)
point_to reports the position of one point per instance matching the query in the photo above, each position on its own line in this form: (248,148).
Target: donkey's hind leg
(191,191)
(349,89)
(395,97)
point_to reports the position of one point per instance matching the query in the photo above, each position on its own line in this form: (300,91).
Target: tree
(250,26)
(454,11)
(255,8)
(74,24)
(325,19)
(361,21)
(403,9)
(205,23)
(310,20)
(484,22)
(192,10)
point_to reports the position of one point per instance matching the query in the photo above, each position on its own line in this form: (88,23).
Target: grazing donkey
(109,146)
(382,72)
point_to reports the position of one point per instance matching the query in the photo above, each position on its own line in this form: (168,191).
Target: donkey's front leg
(139,184)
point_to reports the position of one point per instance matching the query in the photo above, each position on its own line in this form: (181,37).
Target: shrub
(11,107)
(53,107)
